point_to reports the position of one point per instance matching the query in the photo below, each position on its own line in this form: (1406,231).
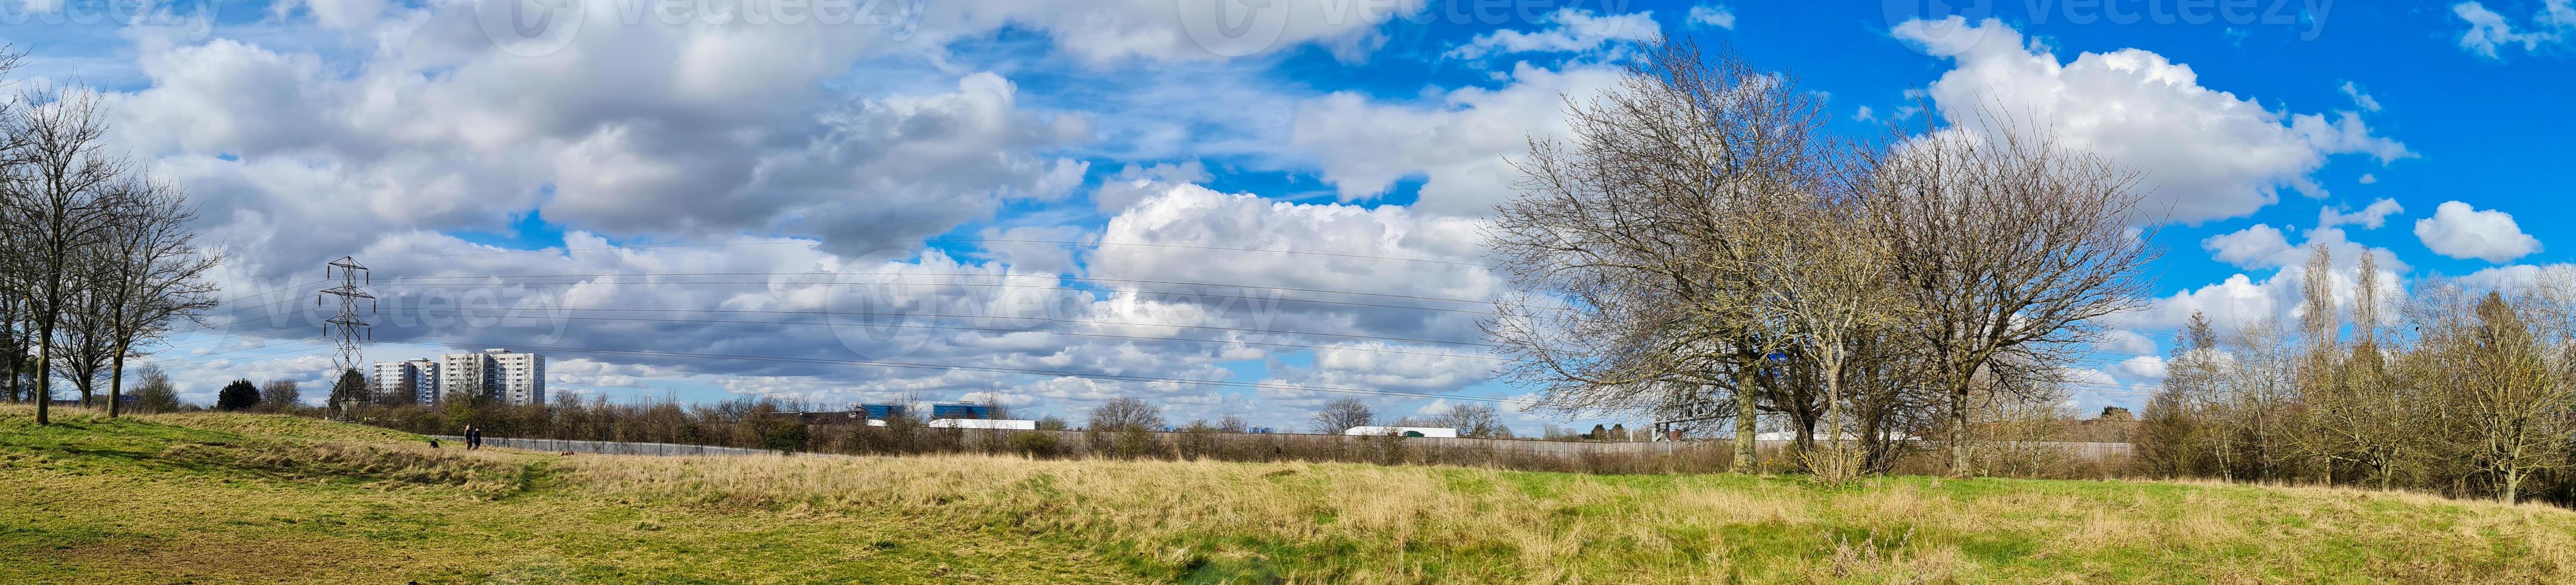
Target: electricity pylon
(347,329)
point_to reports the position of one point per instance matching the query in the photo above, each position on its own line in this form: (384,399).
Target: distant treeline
(1122,432)
(2464,393)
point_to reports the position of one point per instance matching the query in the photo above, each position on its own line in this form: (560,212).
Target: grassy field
(238,498)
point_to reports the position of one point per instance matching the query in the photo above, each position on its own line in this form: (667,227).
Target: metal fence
(609,447)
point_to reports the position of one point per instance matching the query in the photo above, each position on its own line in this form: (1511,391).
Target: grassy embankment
(237,498)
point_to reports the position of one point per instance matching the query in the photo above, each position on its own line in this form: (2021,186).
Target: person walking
(473,437)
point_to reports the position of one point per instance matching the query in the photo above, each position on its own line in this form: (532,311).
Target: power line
(1048,319)
(929,241)
(998,370)
(237,321)
(1034,286)
(953,275)
(1000,285)
(201,359)
(269,330)
(247,297)
(994,329)
(1020,318)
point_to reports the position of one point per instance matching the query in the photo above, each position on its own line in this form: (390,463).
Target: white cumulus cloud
(2251,247)
(1575,30)
(2369,218)
(2460,231)
(1457,145)
(1716,15)
(2490,33)
(2205,153)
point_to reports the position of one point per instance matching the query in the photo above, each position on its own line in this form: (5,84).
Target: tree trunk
(1835,455)
(1876,447)
(1805,442)
(2512,483)
(1747,411)
(116,382)
(45,372)
(1959,429)
(2386,465)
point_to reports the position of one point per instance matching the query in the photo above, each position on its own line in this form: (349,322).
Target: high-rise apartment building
(409,381)
(515,378)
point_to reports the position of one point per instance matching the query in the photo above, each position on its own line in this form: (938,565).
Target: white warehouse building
(511,377)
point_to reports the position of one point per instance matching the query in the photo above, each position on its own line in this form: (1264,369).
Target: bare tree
(58,187)
(153,275)
(13,347)
(81,347)
(1829,290)
(153,391)
(1126,413)
(2008,246)
(2013,427)
(1232,423)
(2173,439)
(2514,398)
(280,395)
(2257,387)
(1629,242)
(15,321)
(1340,415)
(1480,421)
(2353,414)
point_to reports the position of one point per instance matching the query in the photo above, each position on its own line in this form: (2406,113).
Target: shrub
(784,438)
(1038,444)
(239,395)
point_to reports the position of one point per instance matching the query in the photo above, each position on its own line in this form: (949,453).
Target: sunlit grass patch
(181,499)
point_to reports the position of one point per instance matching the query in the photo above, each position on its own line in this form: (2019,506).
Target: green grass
(243,498)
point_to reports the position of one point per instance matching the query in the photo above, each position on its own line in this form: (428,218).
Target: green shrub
(1038,444)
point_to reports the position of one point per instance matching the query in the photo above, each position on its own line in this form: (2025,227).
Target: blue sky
(1094,154)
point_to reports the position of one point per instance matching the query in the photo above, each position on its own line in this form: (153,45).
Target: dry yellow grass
(639,518)
(1353,523)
